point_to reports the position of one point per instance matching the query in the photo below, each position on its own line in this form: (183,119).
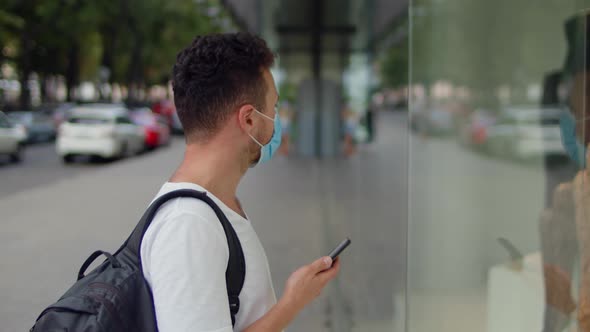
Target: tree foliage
(134,41)
(487,44)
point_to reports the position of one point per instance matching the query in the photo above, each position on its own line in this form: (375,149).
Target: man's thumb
(321,264)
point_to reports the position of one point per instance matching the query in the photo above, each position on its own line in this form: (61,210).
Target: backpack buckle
(234,304)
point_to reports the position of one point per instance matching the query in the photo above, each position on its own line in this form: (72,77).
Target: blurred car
(40,126)
(157,132)
(473,132)
(11,139)
(436,121)
(176,125)
(526,133)
(166,109)
(60,113)
(100,130)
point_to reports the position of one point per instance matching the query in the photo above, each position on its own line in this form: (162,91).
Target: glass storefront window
(498,230)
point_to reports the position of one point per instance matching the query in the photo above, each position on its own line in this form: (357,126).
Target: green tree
(135,40)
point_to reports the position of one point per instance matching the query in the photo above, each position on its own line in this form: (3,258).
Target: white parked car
(100,130)
(12,138)
(526,133)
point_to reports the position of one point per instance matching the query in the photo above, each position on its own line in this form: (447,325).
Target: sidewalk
(302,208)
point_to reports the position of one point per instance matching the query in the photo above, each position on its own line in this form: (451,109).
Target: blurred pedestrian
(350,124)
(286,115)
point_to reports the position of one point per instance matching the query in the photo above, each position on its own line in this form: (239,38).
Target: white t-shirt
(184,255)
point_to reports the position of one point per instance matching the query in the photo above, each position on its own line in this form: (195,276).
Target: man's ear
(245,117)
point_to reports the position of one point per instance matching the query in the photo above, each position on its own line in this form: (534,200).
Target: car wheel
(96,159)
(17,156)
(68,159)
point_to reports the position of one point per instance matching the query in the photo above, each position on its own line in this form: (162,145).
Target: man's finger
(321,264)
(330,274)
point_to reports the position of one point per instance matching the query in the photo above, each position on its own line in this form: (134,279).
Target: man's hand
(306,284)
(302,287)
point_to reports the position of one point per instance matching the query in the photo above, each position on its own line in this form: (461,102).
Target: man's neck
(212,168)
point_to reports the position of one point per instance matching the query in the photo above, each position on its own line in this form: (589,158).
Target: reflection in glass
(498,237)
(564,226)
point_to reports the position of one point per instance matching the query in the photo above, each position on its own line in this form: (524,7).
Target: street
(41,167)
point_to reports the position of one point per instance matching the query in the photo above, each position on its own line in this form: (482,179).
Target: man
(226,98)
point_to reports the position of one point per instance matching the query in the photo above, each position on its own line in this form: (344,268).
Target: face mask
(268,150)
(573,147)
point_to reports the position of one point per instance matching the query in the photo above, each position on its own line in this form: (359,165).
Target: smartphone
(334,253)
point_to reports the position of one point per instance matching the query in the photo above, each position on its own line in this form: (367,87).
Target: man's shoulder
(181,242)
(183,206)
(184,215)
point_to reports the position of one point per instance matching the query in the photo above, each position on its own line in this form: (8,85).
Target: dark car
(40,126)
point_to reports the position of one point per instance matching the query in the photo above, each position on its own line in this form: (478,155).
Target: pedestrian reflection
(350,124)
(286,113)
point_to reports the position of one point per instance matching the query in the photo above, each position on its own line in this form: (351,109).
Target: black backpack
(116,297)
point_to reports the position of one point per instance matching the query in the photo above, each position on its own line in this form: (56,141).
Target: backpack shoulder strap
(236,266)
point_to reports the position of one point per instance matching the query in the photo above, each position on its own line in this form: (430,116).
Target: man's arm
(186,264)
(302,287)
(187,296)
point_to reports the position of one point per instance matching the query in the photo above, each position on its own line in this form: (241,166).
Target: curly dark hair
(216,74)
